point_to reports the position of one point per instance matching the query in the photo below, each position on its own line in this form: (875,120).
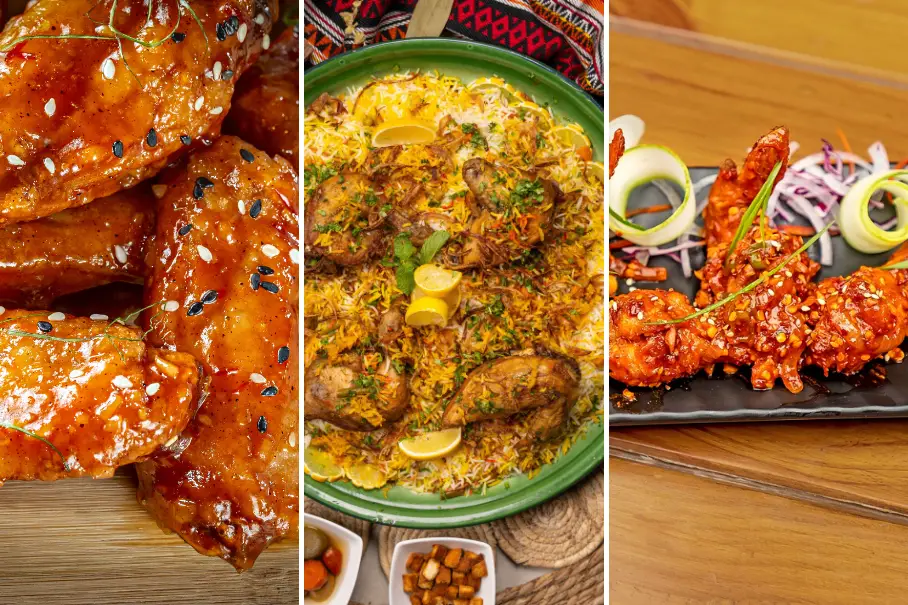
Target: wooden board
(81,541)
(678,539)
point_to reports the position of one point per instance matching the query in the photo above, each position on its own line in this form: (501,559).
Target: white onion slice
(880,158)
(631,127)
(641,165)
(858,229)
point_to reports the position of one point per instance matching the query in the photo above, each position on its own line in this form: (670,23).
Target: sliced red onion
(879,156)
(815,159)
(653,251)
(808,211)
(887,225)
(642,256)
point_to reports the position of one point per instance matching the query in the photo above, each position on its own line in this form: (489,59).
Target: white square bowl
(396,594)
(351,547)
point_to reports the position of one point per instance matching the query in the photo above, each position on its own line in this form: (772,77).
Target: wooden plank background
(807,512)
(81,541)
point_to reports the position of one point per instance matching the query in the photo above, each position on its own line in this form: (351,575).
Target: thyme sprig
(756,209)
(897,266)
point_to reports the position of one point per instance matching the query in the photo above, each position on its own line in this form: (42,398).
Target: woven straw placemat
(580,584)
(357,526)
(560,532)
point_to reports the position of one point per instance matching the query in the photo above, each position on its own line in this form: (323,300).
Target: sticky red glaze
(642,354)
(66,393)
(92,112)
(266,105)
(235,489)
(75,249)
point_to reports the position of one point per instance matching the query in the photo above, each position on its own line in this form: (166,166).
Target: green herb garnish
(756,209)
(13,427)
(407,259)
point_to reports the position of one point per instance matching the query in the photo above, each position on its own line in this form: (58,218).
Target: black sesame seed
(247,155)
(227,74)
(231,25)
(270,391)
(254,281)
(221,31)
(118,149)
(204,182)
(209,297)
(178,37)
(151,138)
(45,326)
(256,209)
(197,191)
(264,270)
(283,354)
(185,229)
(262,425)
(195,308)
(267,285)
(185,139)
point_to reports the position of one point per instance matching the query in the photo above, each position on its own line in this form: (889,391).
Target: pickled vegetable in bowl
(323,564)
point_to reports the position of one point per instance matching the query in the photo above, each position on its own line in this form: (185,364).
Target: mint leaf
(432,245)
(405,281)
(403,248)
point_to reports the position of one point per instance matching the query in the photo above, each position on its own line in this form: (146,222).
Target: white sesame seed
(153,388)
(270,251)
(2,310)
(204,253)
(260,19)
(171,306)
(98,317)
(216,70)
(50,108)
(292,439)
(258,378)
(216,111)
(49,164)
(199,102)
(295,256)
(805,308)
(75,374)
(15,160)
(171,441)
(266,42)
(241,205)
(120,253)
(159,190)
(56,316)
(629,282)
(122,382)
(108,69)
(241,32)
(640,315)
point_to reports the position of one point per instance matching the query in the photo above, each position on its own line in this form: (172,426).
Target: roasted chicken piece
(84,118)
(354,395)
(75,249)
(856,318)
(344,219)
(513,210)
(266,104)
(513,384)
(734,190)
(92,389)
(643,352)
(225,253)
(545,423)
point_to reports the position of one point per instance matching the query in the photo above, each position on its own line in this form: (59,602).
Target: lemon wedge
(545,120)
(452,298)
(427,311)
(572,135)
(318,465)
(366,476)
(436,281)
(596,169)
(431,445)
(403,132)
(485,84)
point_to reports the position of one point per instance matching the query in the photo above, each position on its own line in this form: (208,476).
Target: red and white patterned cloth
(565,34)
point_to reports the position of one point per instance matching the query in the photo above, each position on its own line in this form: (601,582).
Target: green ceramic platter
(468,61)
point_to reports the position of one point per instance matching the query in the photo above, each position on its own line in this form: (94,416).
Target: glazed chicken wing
(344,219)
(643,352)
(93,390)
(266,105)
(856,318)
(84,118)
(735,189)
(75,249)
(225,251)
(510,385)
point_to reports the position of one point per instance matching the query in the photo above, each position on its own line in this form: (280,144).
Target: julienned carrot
(648,210)
(902,164)
(618,244)
(845,146)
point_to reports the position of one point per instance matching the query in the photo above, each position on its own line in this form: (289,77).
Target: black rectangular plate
(880,391)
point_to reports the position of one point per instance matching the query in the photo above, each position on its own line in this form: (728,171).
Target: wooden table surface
(806,512)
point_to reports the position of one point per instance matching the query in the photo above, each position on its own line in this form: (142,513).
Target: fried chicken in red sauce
(641,354)
(735,189)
